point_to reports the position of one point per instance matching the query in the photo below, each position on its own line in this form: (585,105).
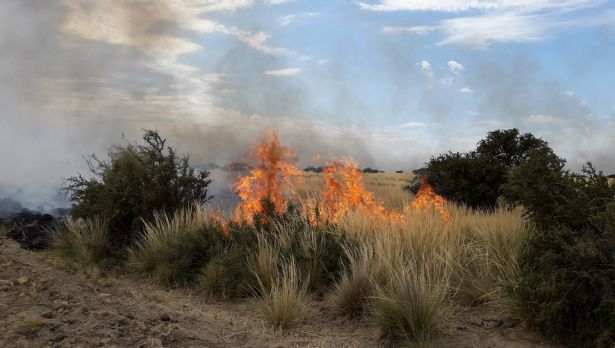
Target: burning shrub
(134,182)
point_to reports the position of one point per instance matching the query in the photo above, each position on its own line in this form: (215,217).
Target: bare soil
(45,304)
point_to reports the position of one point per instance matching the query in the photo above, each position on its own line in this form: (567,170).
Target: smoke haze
(212,76)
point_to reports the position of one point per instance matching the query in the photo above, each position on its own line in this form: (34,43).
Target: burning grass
(270,180)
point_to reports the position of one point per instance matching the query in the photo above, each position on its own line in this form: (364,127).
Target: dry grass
(29,324)
(408,272)
(285,303)
(83,242)
(173,247)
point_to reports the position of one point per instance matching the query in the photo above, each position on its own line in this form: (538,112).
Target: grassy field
(403,271)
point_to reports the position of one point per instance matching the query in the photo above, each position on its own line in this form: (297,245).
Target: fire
(344,189)
(427,198)
(271,179)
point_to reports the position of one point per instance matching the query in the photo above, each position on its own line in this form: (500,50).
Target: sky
(388,82)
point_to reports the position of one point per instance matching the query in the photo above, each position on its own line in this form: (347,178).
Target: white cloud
(323,61)
(286,20)
(419,124)
(455,67)
(418,30)
(496,21)
(466,90)
(483,31)
(540,119)
(469,5)
(283,72)
(426,68)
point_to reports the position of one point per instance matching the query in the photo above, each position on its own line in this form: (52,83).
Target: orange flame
(344,189)
(427,198)
(270,179)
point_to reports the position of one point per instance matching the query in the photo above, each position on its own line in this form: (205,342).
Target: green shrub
(82,242)
(134,182)
(567,287)
(476,178)
(466,178)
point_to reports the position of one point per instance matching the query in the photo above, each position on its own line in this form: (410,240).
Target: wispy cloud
(466,90)
(419,124)
(283,72)
(480,5)
(286,20)
(418,30)
(494,21)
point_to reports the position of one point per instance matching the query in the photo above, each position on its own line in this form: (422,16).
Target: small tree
(510,147)
(135,181)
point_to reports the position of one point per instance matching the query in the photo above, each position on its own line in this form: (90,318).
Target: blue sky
(389,82)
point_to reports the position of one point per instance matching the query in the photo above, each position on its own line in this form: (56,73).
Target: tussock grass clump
(284,305)
(356,285)
(265,263)
(409,308)
(174,248)
(489,260)
(84,242)
(30,324)
(226,276)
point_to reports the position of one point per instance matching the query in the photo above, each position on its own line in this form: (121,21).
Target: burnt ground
(45,304)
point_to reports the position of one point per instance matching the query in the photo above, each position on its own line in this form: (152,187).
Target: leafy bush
(134,182)
(468,178)
(568,274)
(83,242)
(475,178)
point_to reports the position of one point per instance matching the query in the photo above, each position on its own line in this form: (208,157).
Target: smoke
(76,75)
